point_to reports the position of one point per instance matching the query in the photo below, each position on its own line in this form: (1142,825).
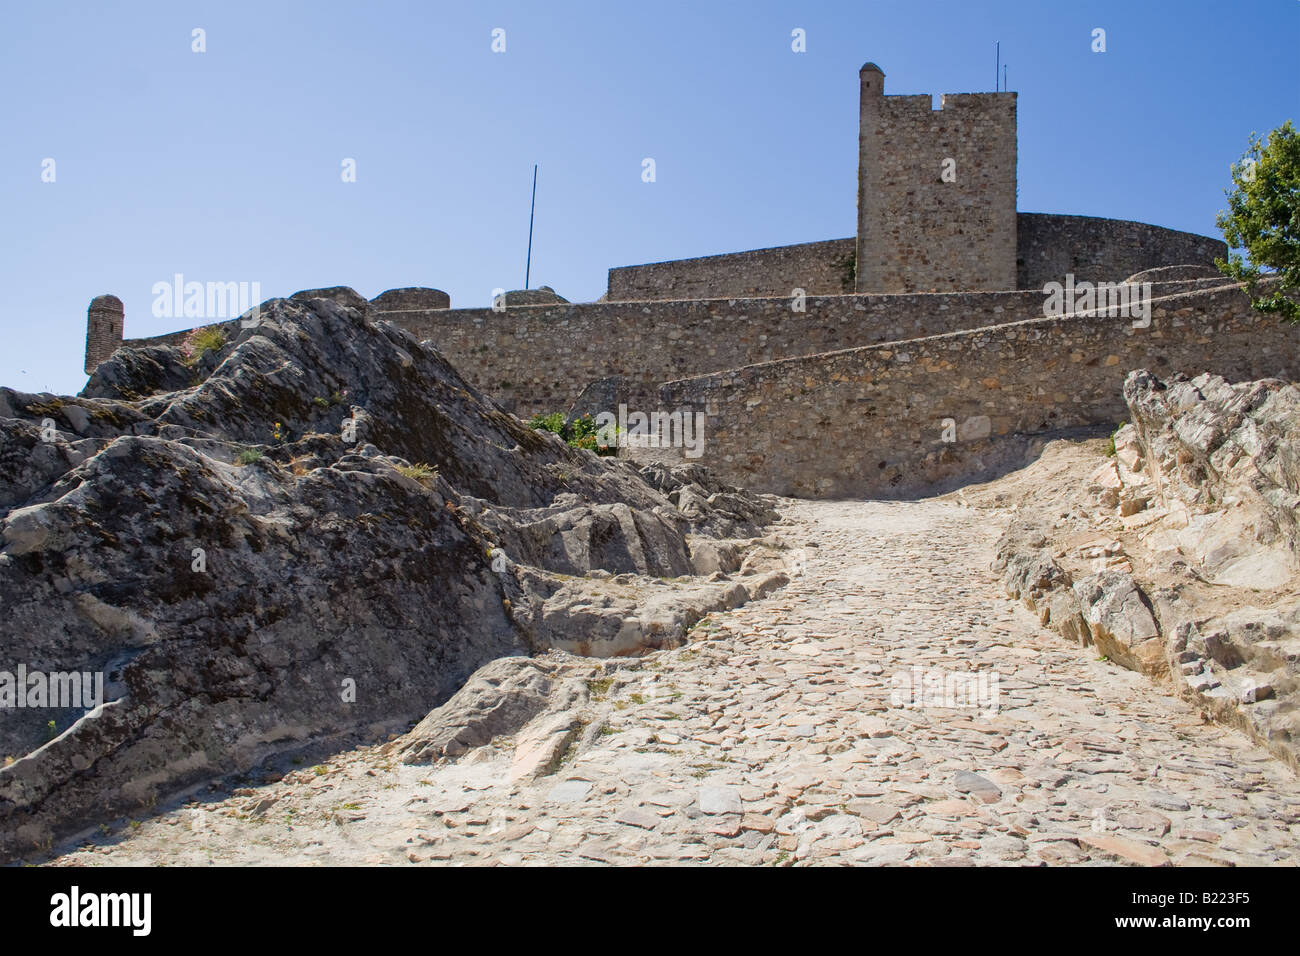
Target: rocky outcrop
(1222,461)
(1106,608)
(712,506)
(1178,557)
(317,529)
(498,701)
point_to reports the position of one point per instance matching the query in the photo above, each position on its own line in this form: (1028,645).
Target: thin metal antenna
(531,209)
(997,67)
(1004,78)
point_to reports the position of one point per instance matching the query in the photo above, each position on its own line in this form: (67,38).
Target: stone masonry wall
(819,268)
(538,359)
(916,231)
(1049,246)
(869,422)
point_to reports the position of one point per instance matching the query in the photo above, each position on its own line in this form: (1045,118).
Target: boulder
(1225,460)
(1120,621)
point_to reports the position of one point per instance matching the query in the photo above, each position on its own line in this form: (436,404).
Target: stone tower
(936,191)
(105,320)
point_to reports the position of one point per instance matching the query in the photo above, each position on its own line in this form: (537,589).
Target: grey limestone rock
(317,530)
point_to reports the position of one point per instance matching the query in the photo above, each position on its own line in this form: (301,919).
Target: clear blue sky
(225,165)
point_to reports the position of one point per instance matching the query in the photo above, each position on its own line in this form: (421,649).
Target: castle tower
(105,320)
(936,190)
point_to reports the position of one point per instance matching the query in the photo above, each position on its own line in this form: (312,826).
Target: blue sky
(225,165)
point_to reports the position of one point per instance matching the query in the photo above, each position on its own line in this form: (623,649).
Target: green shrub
(549,423)
(249,455)
(336,398)
(207,339)
(1263,220)
(579,433)
(848,270)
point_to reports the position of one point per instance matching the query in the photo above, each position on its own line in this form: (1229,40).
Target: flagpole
(531,209)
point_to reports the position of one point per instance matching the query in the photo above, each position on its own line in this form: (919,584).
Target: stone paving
(786,733)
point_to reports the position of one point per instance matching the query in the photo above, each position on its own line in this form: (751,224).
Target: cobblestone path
(779,735)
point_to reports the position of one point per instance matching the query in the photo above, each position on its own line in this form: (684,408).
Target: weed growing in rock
(335,398)
(423,473)
(200,341)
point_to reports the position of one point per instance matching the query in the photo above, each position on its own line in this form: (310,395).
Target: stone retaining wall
(539,358)
(872,422)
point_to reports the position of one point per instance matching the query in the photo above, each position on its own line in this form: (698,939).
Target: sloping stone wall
(538,359)
(872,422)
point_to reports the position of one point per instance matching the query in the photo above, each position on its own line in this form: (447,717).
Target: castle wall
(539,358)
(1047,247)
(819,268)
(869,422)
(916,231)
(167,338)
(1050,246)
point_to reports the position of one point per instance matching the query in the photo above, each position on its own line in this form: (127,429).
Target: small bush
(579,433)
(549,423)
(847,267)
(336,398)
(249,455)
(200,341)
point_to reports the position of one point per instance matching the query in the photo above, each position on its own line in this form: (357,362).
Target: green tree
(1263,218)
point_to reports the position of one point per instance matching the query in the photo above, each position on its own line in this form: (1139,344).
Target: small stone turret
(105,321)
